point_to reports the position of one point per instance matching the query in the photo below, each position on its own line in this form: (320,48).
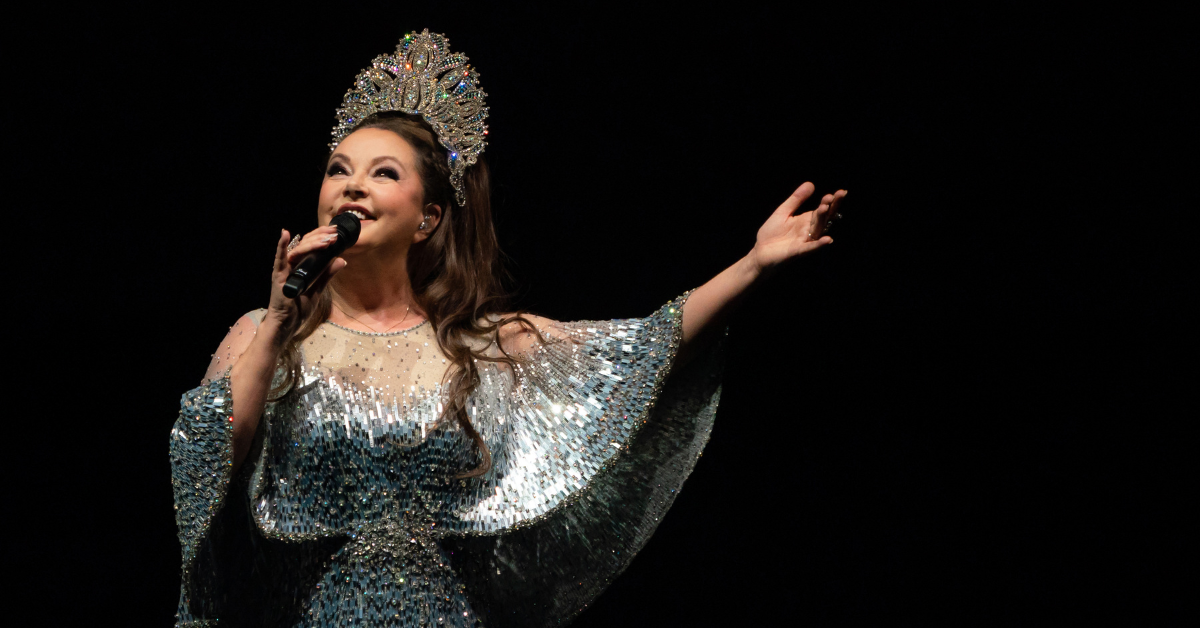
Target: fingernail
(328,239)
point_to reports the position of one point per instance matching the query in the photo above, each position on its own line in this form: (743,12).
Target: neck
(375,290)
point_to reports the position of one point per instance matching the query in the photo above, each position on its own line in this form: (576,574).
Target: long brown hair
(456,276)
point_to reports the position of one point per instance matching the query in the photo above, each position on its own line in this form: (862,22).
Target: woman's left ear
(433,215)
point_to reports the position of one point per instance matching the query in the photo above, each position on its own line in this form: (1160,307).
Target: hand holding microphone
(346,228)
(301,273)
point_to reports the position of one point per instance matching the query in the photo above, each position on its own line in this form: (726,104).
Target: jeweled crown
(422,77)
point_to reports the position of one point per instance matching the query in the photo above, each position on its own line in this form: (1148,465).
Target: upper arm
(232,346)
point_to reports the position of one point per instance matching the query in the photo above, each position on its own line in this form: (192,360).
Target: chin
(365,244)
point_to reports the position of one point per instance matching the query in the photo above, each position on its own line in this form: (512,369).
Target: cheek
(400,200)
(326,196)
(329,190)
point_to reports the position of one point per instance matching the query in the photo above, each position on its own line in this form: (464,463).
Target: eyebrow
(373,161)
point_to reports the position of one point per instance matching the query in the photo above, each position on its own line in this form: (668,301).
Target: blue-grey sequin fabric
(348,511)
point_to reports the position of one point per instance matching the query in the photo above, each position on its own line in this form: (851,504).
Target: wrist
(273,335)
(751,268)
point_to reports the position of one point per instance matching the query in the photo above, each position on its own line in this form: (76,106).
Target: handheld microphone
(314,263)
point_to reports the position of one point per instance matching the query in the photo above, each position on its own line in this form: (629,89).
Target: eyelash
(387,172)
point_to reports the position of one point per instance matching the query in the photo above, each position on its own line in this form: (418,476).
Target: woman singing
(393,447)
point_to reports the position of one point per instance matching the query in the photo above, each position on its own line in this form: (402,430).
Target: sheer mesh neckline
(377,333)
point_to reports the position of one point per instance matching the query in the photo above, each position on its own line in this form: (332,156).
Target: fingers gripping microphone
(314,263)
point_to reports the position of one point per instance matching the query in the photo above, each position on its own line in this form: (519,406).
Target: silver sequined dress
(347,511)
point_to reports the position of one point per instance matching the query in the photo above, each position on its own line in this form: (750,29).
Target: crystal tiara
(422,77)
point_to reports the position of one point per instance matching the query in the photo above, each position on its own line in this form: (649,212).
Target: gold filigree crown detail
(422,77)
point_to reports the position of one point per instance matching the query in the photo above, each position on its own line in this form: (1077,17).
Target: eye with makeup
(335,168)
(390,173)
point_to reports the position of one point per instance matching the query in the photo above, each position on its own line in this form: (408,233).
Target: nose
(354,189)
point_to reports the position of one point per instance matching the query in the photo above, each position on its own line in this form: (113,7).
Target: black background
(956,414)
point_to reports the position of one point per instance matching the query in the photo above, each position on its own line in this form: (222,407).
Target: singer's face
(373,174)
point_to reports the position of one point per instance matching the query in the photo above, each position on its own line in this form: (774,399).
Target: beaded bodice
(341,449)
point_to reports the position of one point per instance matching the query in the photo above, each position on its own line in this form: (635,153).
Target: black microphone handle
(310,267)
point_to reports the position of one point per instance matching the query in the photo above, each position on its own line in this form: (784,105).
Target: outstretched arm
(785,235)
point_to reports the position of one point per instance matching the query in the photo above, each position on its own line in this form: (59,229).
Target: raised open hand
(785,235)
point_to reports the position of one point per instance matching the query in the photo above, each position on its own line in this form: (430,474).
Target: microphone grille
(348,227)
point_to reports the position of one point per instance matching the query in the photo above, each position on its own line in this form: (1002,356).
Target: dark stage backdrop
(928,422)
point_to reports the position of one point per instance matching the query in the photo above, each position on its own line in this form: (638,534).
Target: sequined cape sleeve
(600,436)
(201,451)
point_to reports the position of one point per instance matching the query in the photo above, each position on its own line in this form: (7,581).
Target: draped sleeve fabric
(201,452)
(589,449)
(232,573)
